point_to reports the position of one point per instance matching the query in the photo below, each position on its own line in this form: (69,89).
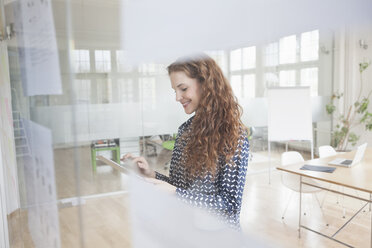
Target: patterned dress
(221,195)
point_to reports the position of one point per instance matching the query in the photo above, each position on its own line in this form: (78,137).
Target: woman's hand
(162,185)
(142,164)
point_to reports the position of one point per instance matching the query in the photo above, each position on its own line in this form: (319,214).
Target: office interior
(96,97)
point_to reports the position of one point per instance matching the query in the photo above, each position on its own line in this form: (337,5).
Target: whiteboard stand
(289,116)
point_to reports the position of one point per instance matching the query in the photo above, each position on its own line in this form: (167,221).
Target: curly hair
(216,127)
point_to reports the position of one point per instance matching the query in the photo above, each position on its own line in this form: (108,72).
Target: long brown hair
(216,127)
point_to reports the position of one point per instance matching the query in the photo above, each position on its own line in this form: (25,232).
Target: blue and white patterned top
(221,195)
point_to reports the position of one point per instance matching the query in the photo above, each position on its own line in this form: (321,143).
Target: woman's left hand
(163,185)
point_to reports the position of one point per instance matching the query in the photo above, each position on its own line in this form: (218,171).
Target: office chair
(326,151)
(292,181)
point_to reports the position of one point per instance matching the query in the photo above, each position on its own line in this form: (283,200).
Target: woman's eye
(184,89)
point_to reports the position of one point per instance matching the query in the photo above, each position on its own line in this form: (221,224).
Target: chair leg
(289,201)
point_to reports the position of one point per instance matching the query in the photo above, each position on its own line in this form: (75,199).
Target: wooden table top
(358,177)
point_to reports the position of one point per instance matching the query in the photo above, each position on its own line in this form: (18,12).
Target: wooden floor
(102,220)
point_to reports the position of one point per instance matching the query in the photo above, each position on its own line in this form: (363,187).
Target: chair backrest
(291,158)
(326,151)
(288,179)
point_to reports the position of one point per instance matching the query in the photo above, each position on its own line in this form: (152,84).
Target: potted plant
(355,115)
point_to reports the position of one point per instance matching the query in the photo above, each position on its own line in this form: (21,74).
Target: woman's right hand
(142,164)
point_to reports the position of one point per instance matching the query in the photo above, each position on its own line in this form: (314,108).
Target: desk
(358,177)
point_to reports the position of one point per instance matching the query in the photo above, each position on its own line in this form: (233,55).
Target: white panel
(7,134)
(289,114)
(37,48)
(43,220)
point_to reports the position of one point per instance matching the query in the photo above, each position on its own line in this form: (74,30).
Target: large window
(293,61)
(103,60)
(81,60)
(242,71)
(83,91)
(121,63)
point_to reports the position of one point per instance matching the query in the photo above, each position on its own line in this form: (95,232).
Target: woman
(210,157)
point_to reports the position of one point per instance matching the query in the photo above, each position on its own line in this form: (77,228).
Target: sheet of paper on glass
(162,30)
(40,185)
(37,47)
(160,220)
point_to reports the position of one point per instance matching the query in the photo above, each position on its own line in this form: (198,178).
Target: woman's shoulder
(244,136)
(186,124)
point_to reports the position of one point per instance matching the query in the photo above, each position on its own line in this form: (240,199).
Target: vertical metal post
(269,150)
(299,214)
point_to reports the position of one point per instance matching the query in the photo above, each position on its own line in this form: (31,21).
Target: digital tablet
(128,167)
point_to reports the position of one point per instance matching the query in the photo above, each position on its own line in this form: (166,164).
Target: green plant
(357,114)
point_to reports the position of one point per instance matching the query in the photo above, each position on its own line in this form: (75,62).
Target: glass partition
(76,95)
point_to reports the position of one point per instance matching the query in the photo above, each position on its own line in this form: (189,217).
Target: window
(126,90)
(243,58)
(310,46)
(81,60)
(271,79)
(148,92)
(103,91)
(236,85)
(82,91)
(272,54)
(103,60)
(236,60)
(220,58)
(121,64)
(287,49)
(249,86)
(152,69)
(309,77)
(249,57)
(287,78)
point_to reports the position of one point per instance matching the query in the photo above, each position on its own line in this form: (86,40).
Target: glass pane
(272,54)
(103,60)
(309,77)
(125,90)
(121,64)
(310,45)
(81,60)
(220,58)
(236,60)
(83,91)
(271,79)
(249,86)
(236,85)
(287,50)
(287,78)
(249,57)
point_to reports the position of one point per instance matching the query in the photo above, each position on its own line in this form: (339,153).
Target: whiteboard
(289,114)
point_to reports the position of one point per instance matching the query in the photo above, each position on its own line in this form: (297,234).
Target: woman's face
(188,91)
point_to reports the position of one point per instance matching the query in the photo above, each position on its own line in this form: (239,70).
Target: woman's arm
(162,177)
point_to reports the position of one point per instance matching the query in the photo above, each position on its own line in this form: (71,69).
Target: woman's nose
(178,97)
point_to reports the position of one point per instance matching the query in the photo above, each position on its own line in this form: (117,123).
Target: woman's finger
(126,156)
